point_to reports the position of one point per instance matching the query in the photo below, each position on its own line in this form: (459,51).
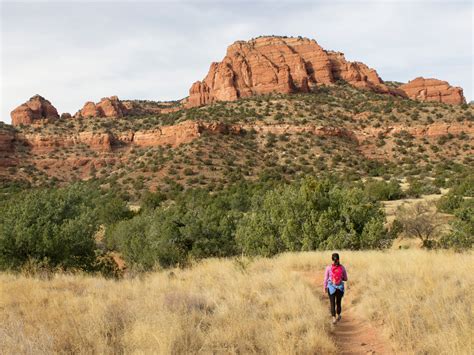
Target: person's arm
(344,274)
(326,278)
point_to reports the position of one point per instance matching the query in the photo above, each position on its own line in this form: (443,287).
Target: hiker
(334,278)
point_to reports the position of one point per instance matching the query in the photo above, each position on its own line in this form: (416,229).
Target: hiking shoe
(334,321)
(339,317)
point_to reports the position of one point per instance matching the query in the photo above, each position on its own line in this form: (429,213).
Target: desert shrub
(421,187)
(461,236)
(464,186)
(449,203)
(440,181)
(382,190)
(55,226)
(189,171)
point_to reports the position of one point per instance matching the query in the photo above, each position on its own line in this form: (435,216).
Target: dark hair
(335,257)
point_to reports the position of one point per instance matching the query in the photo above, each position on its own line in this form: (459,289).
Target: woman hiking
(334,278)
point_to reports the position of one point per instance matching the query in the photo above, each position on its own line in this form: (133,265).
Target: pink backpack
(336,274)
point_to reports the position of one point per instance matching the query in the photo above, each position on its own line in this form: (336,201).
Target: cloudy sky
(76,51)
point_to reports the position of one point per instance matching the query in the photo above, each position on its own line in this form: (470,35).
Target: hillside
(336,128)
(274,106)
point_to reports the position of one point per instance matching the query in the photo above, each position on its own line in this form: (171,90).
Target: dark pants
(335,300)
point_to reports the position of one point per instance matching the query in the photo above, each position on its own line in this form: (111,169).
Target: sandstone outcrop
(188,131)
(45,143)
(36,109)
(284,128)
(432,131)
(181,133)
(114,107)
(282,65)
(7,148)
(422,89)
(106,107)
(175,135)
(6,141)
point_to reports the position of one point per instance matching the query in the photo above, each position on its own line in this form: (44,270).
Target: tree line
(64,227)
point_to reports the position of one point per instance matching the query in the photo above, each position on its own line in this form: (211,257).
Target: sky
(71,52)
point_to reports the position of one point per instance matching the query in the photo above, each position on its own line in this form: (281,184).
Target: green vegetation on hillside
(302,182)
(55,227)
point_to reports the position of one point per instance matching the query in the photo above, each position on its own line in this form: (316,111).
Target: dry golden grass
(421,300)
(217,306)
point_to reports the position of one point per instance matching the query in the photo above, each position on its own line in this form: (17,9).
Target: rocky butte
(36,110)
(422,89)
(288,65)
(259,66)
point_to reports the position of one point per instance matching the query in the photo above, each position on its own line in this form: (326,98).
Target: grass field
(421,301)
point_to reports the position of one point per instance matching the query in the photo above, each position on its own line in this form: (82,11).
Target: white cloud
(72,52)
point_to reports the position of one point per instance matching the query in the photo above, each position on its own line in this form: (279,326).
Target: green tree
(52,226)
(152,200)
(310,215)
(461,236)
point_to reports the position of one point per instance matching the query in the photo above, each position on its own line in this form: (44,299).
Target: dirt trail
(352,335)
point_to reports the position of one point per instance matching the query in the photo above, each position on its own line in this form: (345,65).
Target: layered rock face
(282,65)
(422,89)
(36,109)
(187,131)
(106,107)
(45,143)
(7,139)
(114,107)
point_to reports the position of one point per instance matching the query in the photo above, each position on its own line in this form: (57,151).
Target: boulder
(106,107)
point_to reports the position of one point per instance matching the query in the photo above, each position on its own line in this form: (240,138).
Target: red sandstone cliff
(279,64)
(187,131)
(422,89)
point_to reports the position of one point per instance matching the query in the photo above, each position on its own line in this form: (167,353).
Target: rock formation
(114,107)
(282,65)
(36,109)
(6,141)
(422,89)
(40,143)
(187,131)
(107,107)
(7,150)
